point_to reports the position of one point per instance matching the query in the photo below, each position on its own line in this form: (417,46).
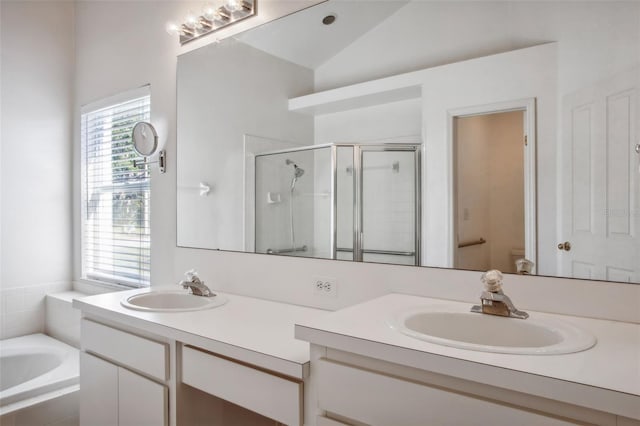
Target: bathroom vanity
(363,371)
(240,364)
(235,363)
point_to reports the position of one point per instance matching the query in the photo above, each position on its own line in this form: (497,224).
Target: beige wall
(490,189)
(506,185)
(472,147)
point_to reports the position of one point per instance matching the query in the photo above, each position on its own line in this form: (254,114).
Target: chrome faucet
(195,284)
(493,300)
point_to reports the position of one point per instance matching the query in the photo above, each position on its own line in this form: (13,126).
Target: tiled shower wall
(23,308)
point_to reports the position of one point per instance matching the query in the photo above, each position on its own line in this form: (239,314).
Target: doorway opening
(494,190)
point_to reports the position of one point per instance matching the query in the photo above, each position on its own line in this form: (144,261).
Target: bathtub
(36,370)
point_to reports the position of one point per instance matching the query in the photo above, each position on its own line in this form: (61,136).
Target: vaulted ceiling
(316,43)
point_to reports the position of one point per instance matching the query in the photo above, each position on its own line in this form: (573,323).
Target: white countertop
(605,377)
(255,331)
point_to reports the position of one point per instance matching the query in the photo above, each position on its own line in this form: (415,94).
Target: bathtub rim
(57,382)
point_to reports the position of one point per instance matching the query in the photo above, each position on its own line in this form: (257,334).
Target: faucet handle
(190,274)
(492,280)
(524,266)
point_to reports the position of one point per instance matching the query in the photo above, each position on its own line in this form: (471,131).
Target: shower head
(297,171)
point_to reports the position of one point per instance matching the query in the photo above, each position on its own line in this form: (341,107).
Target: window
(116,241)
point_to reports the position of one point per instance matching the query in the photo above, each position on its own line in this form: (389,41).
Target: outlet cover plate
(325,286)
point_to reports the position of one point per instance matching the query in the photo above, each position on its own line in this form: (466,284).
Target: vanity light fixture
(214,17)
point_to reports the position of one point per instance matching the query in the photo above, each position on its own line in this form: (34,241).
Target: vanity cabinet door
(141,401)
(98,391)
(112,395)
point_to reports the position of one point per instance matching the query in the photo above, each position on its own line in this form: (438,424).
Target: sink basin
(171,301)
(489,333)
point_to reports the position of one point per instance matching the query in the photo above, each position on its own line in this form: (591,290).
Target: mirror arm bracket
(161,161)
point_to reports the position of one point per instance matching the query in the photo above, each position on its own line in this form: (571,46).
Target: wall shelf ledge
(396,88)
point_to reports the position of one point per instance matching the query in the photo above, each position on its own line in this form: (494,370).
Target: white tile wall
(62,321)
(23,308)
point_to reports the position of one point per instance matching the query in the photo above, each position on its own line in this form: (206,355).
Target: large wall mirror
(469,135)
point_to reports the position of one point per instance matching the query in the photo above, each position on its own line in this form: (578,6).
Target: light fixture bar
(212,19)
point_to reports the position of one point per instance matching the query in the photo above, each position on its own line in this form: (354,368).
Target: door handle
(564,246)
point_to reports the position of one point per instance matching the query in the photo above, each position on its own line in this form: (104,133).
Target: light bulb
(191,21)
(173,29)
(210,12)
(233,5)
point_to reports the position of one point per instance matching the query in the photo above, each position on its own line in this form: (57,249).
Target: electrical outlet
(325,286)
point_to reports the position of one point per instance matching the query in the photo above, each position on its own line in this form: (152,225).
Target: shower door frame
(358,216)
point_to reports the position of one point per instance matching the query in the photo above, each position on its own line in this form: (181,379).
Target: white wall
(150,57)
(450,90)
(385,121)
(120,46)
(37,75)
(595,40)
(215,117)
(132,35)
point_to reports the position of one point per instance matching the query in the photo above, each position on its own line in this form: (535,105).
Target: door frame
(528,105)
(399,145)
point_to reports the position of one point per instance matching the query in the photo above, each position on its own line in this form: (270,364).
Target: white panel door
(600,181)
(98,391)
(141,402)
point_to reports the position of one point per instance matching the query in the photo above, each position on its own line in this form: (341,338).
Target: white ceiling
(315,43)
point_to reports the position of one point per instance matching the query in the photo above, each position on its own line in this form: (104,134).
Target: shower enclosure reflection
(356,202)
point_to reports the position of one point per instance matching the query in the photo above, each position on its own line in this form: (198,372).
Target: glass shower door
(293,202)
(390,210)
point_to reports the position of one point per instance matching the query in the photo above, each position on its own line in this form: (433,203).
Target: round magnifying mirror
(145,139)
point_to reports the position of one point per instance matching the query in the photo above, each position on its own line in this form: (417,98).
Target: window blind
(116,219)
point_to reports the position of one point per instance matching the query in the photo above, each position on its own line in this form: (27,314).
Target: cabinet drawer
(377,399)
(272,396)
(132,351)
